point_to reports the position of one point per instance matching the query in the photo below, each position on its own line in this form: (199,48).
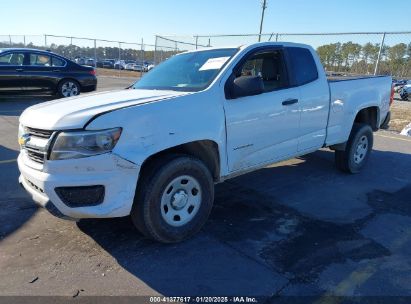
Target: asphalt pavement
(297,228)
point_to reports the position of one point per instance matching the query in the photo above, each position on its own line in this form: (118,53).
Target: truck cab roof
(253,45)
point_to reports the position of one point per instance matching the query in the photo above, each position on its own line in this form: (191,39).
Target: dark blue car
(31,70)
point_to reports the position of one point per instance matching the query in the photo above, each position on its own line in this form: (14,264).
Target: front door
(11,71)
(264,127)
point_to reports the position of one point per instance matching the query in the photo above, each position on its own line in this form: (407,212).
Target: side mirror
(246,86)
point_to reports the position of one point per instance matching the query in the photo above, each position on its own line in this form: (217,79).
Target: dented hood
(75,112)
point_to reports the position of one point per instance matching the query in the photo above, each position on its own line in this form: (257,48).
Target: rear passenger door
(39,72)
(11,71)
(314,97)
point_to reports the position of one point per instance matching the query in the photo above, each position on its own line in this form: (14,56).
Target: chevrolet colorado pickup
(155,150)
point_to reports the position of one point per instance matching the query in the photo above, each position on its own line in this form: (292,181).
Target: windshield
(188,72)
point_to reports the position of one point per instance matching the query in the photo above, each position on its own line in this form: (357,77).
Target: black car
(43,71)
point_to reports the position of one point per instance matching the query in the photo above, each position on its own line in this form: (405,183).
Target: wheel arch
(369,115)
(205,150)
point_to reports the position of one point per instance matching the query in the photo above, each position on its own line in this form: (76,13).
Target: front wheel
(68,88)
(357,150)
(173,199)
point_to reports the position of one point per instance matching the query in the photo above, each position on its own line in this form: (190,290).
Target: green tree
(370,55)
(396,56)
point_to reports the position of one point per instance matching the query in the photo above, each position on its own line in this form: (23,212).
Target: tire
(174,199)
(404,96)
(68,88)
(357,150)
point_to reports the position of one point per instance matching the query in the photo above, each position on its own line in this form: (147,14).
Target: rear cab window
(302,65)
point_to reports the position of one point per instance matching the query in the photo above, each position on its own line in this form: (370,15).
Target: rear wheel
(173,199)
(68,88)
(357,150)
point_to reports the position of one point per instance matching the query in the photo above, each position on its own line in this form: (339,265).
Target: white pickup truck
(155,150)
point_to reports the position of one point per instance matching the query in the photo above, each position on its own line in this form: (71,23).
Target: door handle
(290,101)
(56,70)
(19,70)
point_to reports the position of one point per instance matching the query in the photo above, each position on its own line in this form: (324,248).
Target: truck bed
(348,95)
(335,78)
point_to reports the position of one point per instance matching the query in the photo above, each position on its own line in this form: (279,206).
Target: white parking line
(7,161)
(392,137)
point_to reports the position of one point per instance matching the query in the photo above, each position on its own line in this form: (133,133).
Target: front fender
(156,126)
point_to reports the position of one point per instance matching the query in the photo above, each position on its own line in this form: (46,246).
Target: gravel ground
(400,114)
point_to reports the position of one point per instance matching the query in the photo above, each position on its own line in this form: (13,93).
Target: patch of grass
(400,115)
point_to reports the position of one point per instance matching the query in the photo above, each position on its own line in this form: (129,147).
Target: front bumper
(117,175)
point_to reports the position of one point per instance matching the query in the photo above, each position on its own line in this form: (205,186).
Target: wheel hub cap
(181,200)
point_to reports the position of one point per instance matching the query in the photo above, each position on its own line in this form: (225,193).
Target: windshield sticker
(214,63)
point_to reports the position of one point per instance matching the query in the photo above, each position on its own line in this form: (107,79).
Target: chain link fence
(363,53)
(100,53)
(358,53)
(165,47)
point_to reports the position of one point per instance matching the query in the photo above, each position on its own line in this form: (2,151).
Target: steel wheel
(357,149)
(181,200)
(69,88)
(361,150)
(173,198)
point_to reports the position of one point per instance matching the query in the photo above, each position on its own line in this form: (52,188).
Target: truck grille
(37,153)
(39,133)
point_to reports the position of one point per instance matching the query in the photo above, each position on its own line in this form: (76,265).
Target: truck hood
(75,112)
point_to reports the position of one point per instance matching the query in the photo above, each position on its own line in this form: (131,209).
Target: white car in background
(129,66)
(133,66)
(147,67)
(138,67)
(122,64)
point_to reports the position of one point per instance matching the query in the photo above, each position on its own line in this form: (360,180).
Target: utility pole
(264,6)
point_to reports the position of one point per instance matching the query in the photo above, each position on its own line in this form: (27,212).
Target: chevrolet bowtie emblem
(24,139)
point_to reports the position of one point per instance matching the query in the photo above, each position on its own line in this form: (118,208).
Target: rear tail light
(392,95)
(93,72)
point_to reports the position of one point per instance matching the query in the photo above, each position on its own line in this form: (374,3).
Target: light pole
(264,6)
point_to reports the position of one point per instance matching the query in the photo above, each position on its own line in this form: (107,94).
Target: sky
(128,20)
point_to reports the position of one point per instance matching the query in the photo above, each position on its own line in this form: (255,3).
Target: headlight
(77,144)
